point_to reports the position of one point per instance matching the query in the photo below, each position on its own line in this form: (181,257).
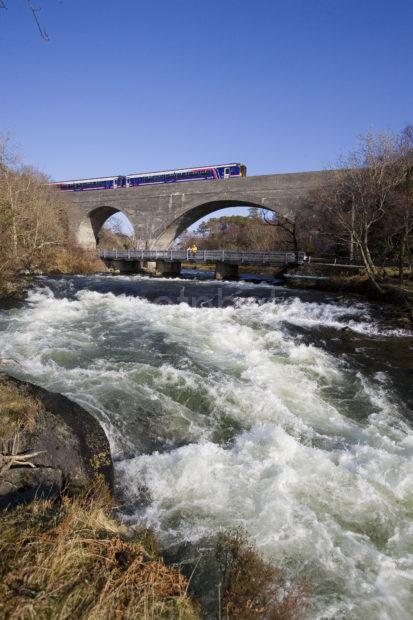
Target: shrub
(73,259)
(252,588)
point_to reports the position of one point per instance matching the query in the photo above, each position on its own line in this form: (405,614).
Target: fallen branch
(16,458)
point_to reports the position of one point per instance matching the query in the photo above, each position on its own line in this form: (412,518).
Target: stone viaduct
(160,213)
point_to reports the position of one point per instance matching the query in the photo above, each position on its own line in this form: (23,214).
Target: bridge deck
(207,256)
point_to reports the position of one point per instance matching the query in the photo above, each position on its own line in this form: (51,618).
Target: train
(181,175)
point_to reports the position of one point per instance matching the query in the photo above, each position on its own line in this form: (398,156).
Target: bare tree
(405,199)
(34,10)
(357,200)
(32,217)
(289,226)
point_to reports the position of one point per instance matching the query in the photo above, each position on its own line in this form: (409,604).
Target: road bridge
(168,262)
(160,213)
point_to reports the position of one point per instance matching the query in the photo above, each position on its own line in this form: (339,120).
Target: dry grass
(8,287)
(18,410)
(253,588)
(67,259)
(72,259)
(74,560)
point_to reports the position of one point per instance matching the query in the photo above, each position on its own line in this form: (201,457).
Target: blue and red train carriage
(222,171)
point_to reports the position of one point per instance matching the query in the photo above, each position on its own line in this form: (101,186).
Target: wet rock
(405,322)
(64,450)
(346,333)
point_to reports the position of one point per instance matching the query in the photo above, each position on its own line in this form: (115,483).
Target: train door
(226,173)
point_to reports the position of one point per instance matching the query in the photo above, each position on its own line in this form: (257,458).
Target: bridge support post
(124,266)
(168,268)
(226,271)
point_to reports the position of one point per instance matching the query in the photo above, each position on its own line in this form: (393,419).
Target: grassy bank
(18,411)
(71,259)
(71,559)
(63,261)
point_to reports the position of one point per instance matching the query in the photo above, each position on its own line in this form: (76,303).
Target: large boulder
(48,444)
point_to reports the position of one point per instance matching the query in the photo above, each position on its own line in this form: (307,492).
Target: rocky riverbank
(395,302)
(63,552)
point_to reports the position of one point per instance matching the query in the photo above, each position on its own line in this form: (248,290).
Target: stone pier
(124,266)
(226,271)
(168,268)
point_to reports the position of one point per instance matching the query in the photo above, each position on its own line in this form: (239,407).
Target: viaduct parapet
(160,213)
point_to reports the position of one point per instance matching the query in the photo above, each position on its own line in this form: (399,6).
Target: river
(285,412)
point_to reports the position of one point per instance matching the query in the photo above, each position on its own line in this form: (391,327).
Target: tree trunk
(14,238)
(401,262)
(368,263)
(367,255)
(352,233)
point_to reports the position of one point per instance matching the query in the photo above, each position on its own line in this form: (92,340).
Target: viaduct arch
(159,213)
(187,218)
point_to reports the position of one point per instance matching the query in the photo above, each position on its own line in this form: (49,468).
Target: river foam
(228,416)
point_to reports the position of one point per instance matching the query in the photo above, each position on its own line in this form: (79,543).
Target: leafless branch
(34,11)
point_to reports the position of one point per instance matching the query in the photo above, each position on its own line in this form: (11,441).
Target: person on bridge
(194,249)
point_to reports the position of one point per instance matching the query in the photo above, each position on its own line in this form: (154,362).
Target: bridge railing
(207,256)
(334,261)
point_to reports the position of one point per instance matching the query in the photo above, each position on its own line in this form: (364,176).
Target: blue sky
(126,86)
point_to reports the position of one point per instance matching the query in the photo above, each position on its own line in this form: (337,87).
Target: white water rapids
(243,415)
